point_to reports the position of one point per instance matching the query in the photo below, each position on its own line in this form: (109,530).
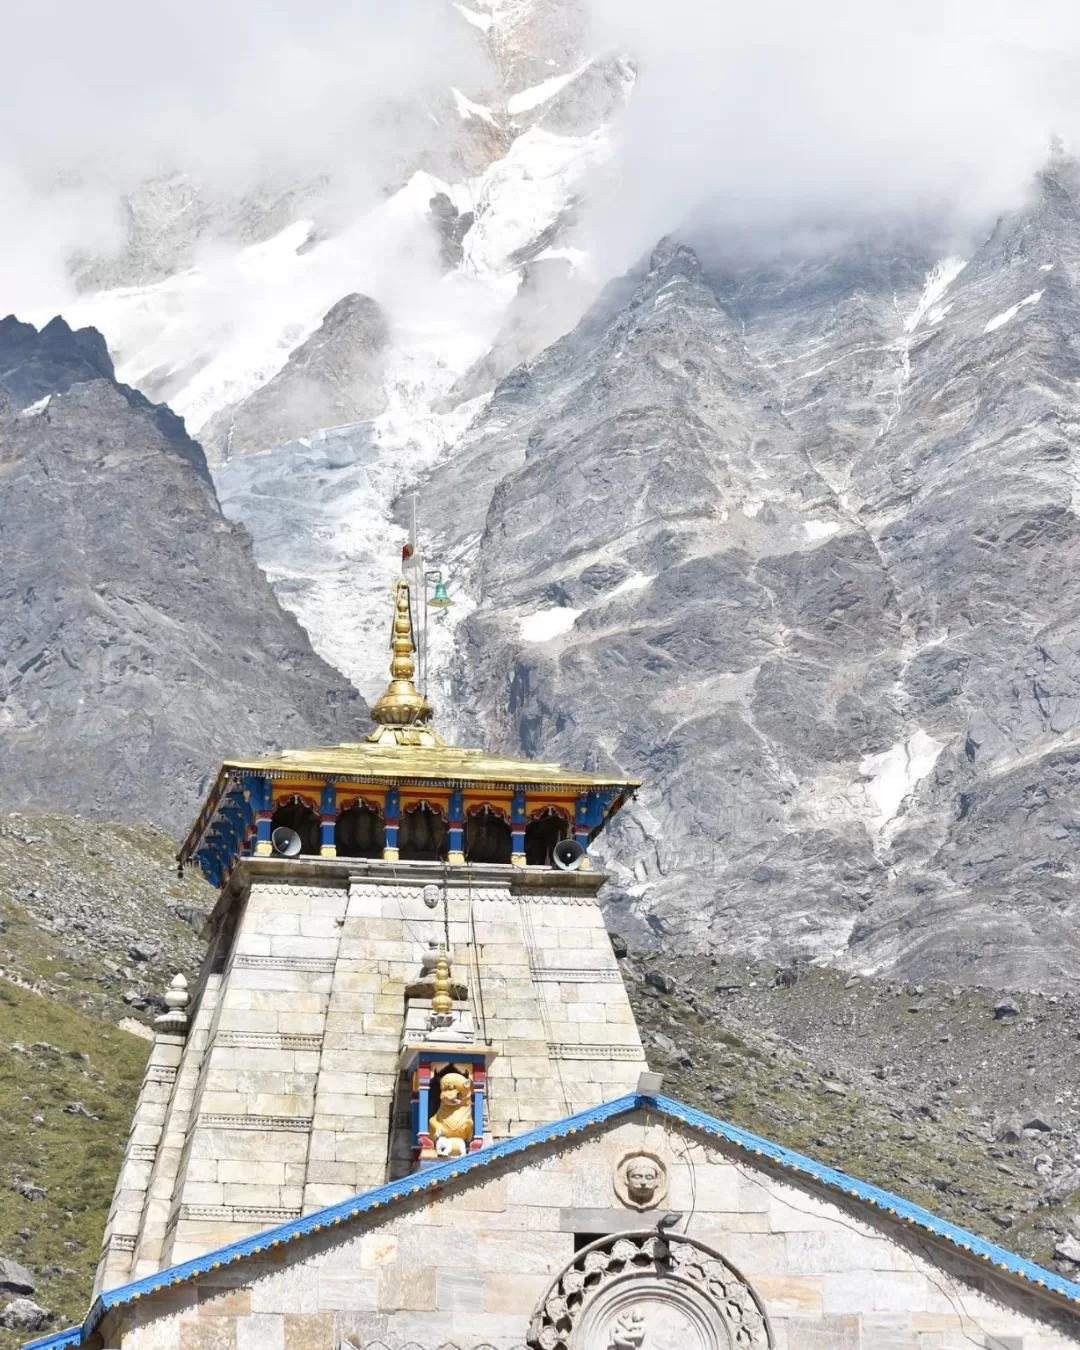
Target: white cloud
(779,112)
(97,98)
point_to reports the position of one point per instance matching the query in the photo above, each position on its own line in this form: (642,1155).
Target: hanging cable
(476,965)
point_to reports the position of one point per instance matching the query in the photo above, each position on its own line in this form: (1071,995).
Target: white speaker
(568,855)
(286,842)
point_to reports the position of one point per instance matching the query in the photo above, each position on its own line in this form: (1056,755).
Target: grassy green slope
(67,1057)
(77,900)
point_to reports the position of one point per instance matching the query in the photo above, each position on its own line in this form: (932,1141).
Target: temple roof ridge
(444,1173)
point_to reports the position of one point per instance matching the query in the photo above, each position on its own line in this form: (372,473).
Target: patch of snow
(1000,320)
(546,624)
(894,773)
(223,328)
(636,582)
(938,281)
(36,409)
(481,21)
(751,509)
(467,108)
(520,195)
(820,529)
(320,508)
(541,93)
(578,258)
(1047,267)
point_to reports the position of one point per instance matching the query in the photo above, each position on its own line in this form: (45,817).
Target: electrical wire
(476,963)
(541,1000)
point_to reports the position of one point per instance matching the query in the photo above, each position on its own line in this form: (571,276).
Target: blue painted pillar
(581,825)
(456,821)
(391,824)
(479,1086)
(262,801)
(328,821)
(517,828)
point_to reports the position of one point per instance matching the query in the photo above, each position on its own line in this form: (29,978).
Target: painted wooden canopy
(401,794)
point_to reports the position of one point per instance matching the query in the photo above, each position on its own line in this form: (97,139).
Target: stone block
(406,1288)
(262,900)
(286,1000)
(534,1186)
(334,1173)
(344,1104)
(208,1334)
(789,1296)
(899,1291)
(378,1249)
(459,1291)
(524,1252)
(353,1291)
(261,1331)
(830,1333)
(310,1331)
(846,1293)
(840,1250)
(264,979)
(253,944)
(219,1301)
(204,1193)
(235,1018)
(321,926)
(318,1197)
(288,944)
(514,1294)
(243,1172)
(280,1104)
(301,1024)
(272,922)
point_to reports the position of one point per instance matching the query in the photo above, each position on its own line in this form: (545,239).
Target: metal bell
(440,600)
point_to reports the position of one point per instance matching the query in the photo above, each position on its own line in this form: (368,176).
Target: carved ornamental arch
(647,1291)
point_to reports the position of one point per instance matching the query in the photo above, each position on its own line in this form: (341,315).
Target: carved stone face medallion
(641,1180)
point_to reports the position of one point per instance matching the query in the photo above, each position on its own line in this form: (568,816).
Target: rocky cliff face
(140,641)
(795,543)
(332,379)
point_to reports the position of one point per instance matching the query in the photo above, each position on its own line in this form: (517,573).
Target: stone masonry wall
(285,1094)
(469,1266)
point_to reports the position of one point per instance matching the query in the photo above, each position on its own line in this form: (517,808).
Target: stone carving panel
(641,1180)
(644,1291)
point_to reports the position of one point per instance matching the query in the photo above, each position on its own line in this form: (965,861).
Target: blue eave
(73,1336)
(433,1177)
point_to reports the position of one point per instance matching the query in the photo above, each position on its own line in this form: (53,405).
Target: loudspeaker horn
(568,855)
(286,842)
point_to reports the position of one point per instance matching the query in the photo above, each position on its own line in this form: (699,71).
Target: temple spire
(402,705)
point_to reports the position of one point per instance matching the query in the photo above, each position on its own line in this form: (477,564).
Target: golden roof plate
(389,760)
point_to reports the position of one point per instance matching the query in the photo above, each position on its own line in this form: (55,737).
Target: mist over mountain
(729,351)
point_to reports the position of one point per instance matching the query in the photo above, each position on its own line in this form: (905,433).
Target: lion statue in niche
(451,1127)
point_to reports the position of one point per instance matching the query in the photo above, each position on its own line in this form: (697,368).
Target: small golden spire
(402,705)
(442,1004)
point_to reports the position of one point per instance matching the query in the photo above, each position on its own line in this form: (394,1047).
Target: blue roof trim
(414,1184)
(73,1336)
(433,1177)
(874,1195)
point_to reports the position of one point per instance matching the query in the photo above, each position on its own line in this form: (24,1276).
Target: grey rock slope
(334,378)
(140,642)
(809,532)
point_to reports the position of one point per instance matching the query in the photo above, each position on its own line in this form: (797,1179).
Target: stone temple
(406,1107)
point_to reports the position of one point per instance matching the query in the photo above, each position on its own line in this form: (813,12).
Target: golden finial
(442,1004)
(402,705)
